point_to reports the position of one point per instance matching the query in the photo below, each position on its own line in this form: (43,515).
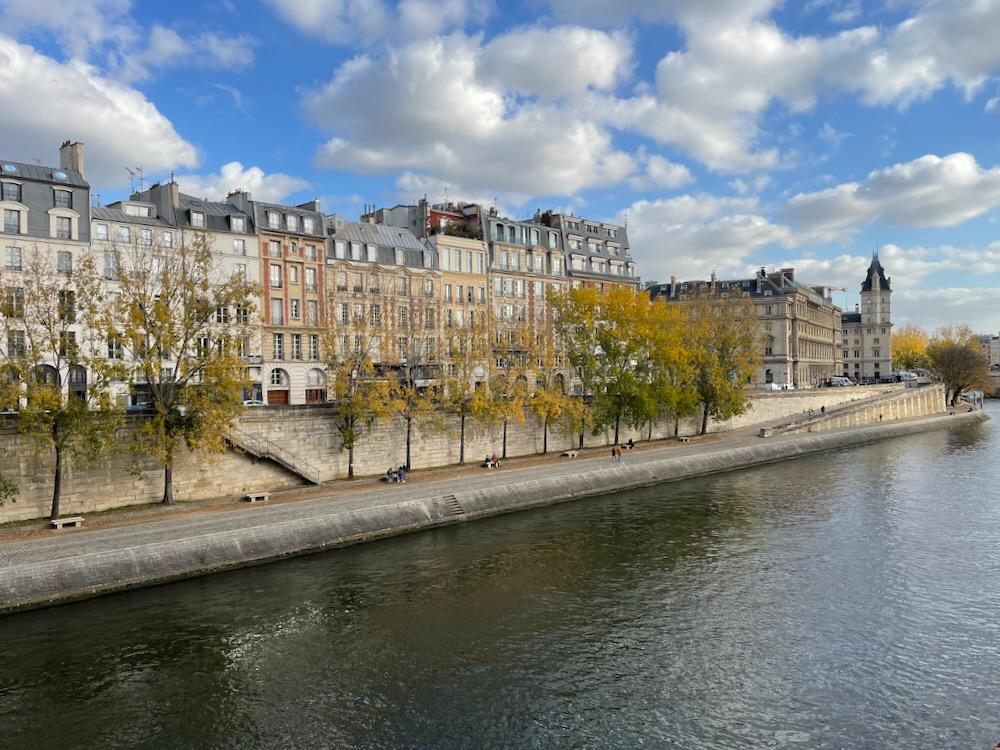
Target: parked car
(779,387)
(253,402)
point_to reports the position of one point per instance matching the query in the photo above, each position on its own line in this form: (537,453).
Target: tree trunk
(677,427)
(649,437)
(57,484)
(350,461)
(504,451)
(409,424)
(168,479)
(461,441)
(704,420)
(618,419)
(581,439)
(545,436)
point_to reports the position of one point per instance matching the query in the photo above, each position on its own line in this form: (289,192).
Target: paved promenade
(59,566)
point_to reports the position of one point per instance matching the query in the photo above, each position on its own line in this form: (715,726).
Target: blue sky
(730,134)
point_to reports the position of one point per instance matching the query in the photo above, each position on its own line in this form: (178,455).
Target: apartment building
(227,229)
(464,281)
(799,324)
(46,216)
(292,267)
(424,219)
(597,253)
(384,293)
(867,332)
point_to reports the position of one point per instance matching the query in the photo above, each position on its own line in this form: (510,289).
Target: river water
(847,600)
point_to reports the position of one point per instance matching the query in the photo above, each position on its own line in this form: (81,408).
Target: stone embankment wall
(31,581)
(904,404)
(308,432)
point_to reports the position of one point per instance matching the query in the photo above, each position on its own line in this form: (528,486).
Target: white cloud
(688,12)
(270,188)
(931,191)
(660,173)
(350,22)
(119,126)
(78,26)
(435,115)
(167,48)
(556,61)
(930,308)
(692,235)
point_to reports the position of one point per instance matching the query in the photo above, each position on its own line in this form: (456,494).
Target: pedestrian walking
(620,454)
(401,473)
(614,454)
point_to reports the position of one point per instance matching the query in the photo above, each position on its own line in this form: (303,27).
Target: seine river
(849,600)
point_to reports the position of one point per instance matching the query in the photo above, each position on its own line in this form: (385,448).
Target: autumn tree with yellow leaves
(909,348)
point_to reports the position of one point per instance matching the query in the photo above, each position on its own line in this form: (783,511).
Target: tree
(464,382)
(362,391)
(416,360)
(670,393)
(723,341)
(956,360)
(575,321)
(508,369)
(55,373)
(909,348)
(549,401)
(179,326)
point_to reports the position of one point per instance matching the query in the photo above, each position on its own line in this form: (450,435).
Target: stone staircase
(268,449)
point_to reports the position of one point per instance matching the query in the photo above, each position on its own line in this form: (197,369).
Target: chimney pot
(71,156)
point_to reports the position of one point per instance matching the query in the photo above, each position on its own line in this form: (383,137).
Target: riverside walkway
(60,566)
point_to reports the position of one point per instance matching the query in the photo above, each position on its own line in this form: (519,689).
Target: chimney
(673,287)
(760,280)
(71,156)
(713,281)
(241,200)
(788,273)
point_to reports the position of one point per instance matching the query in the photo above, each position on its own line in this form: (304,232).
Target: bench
(570,454)
(683,439)
(258,497)
(59,523)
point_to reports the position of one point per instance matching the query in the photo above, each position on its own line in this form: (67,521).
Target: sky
(728,134)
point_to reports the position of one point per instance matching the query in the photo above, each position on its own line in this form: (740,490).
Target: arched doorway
(768,376)
(315,386)
(277,392)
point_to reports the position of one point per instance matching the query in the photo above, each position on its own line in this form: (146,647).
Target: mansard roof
(875,270)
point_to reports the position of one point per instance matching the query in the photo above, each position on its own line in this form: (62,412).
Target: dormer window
(292,222)
(12,192)
(308,225)
(237,223)
(197,219)
(273,220)
(62,199)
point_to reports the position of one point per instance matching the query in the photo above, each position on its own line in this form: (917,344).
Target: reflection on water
(837,601)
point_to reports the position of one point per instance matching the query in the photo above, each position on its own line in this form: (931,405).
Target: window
(197,220)
(310,279)
(168,240)
(428,287)
(292,221)
(430,318)
(371,253)
(12,259)
(277,311)
(124,235)
(12,192)
(482,295)
(876,353)
(498,232)
(539,290)
(273,220)
(275,276)
(64,261)
(402,317)
(146,236)
(375,314)
(67,306)
(296,346)
(111,266)
(355,251)
(314,346)
(557,266)
(67,345)
(14,302)
(293,309)
(309,226)
(62,199)
(311,252)
(456,264)
(239,247)
(312,312)
(402,285)
(293,274)
(357,282)
(278,351)
(339,249)
(520,288)
(101,232)
(64,228)
(240,269)
(359,312)
(447,292)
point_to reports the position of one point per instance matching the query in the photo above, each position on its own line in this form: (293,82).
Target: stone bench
(570,454)
(60,523)
(683,439)
(258,497)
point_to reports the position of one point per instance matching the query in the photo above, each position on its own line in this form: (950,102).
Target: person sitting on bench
(630,444)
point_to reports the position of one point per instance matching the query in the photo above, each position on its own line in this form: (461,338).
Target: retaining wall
(904,404)
(309,432)
(35,582)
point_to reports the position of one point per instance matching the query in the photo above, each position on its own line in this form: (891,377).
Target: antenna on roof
(133,173)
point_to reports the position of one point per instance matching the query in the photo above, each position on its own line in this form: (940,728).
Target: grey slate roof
(261,209)
(875,269)
(106,213)
(43,174)
(217,213)
(388,239)
(851,317)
